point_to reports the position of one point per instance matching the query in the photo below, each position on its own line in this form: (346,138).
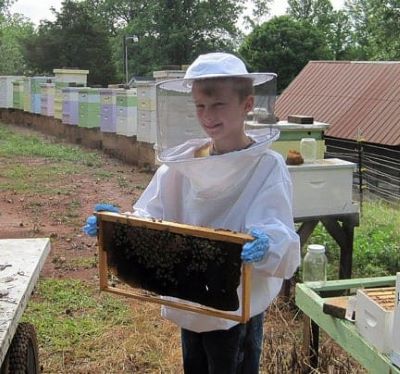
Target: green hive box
(89,108)
(27,94)
(126,100)
(292,133)
(18,94)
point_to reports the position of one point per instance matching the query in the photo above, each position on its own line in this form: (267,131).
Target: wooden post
(310,343)
(103,266)
(246,292)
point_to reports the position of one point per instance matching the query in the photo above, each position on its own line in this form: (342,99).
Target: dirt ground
(27,215)
(61,217)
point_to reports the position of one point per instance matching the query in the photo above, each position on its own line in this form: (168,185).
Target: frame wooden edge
(177,228)
(103,280)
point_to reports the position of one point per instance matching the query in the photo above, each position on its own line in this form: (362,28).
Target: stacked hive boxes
(89,107)
(292,133)
(70,109)
(127,112)
(18,94)
(147,113)
(108,110)
(36,104)
(63,78)
(6,90)
(27,94)
(47,92)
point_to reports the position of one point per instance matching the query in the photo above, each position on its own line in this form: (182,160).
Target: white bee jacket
(237,191)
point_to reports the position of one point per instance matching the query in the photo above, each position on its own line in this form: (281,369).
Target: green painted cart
(311,298)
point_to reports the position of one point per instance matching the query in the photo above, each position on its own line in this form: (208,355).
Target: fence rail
(378,167)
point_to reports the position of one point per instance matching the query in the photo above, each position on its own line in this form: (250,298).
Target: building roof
(358,99)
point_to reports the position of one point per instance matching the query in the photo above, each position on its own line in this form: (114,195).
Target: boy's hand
(91,223)
(255,250)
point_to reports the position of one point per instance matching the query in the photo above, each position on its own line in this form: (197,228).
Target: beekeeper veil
(176,113)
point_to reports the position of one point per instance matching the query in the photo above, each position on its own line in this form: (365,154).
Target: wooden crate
(158,260)
(374,316)
(301,119)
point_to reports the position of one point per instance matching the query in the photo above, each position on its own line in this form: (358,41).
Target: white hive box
(147,113)
(71,75)
(163,75)
(126,112)
(6,90)
(374,316)
(395,354)
(323,187)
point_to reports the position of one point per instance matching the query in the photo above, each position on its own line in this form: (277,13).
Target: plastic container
(308,149)
(315,264)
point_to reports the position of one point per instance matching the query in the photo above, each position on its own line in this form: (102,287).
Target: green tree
(77,38)
(12,30)
(170,32)
(284,46)
(333,24)
(376,28)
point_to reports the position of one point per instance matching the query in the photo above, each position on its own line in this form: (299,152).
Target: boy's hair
(242,86)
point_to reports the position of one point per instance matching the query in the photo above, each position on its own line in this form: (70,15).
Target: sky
(37,10)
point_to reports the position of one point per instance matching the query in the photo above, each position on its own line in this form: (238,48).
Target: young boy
(228,179)
(231,180)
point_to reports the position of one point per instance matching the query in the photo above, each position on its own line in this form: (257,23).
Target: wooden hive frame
(176,228)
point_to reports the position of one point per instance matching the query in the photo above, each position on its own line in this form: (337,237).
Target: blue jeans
(233,351)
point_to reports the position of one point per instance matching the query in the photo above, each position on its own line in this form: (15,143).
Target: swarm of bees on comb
(169,264)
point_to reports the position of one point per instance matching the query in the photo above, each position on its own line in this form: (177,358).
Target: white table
(26,258)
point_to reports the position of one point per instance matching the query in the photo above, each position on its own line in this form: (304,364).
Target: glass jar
(315,264)
(308,149)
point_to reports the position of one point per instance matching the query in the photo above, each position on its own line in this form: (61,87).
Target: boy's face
(221,112)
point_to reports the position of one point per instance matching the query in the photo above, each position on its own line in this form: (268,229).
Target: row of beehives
(128,112)
(322,187)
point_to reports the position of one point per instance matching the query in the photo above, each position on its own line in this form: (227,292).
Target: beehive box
(147,113)
(18,94)
(89,107)
(108,110)
(62,78)
(6,90)
(162,75)
(395,356)
(27,94)
(70,106)
(292,133)
(155,258)
(126,112)
(323,187)
(374,316)
(47,99)
(36,92)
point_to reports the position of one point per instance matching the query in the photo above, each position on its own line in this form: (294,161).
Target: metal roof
(359,99)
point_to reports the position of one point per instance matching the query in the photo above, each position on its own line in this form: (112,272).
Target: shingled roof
(357,99)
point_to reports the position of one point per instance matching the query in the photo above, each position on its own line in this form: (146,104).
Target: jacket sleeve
(149,204)
(271,211)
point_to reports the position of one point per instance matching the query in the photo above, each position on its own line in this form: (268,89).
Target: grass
(89,332)
(83,331)
(376,242)
(68,312)
(16,145)
(42,166)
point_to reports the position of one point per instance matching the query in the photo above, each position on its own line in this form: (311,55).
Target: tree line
(91,34)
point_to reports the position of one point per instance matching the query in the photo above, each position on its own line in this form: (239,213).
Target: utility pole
(125,48)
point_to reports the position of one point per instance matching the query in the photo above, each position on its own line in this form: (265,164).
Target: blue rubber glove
(91,223)
(255,250)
